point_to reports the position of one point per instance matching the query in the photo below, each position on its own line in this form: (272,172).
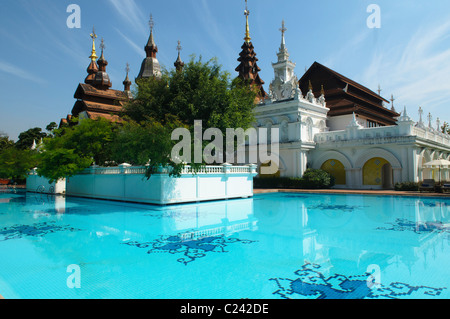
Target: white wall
(39,184)
(220,183)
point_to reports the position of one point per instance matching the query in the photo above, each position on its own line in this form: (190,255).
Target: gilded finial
(310,87)
(93,56)
(247,28)
(322,91)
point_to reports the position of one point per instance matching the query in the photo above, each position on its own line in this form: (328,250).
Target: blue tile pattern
(190,249)
(402,224)
(33,230)
(311,283)
(346,208)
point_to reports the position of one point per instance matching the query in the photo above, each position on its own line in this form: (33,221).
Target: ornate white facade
(360,157)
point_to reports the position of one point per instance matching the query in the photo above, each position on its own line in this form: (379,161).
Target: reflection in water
(344,235)
(34,230)
(271,246)
(191,249)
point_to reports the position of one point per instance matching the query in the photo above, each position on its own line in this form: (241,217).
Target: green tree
(77,147)
(317,178)
(27,138)
(147,143)
(15,163)
(5,142)
(50,128)
(202,91)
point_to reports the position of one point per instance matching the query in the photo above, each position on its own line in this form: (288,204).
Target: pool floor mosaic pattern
(290,246)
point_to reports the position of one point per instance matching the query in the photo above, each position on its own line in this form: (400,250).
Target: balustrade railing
(187,169)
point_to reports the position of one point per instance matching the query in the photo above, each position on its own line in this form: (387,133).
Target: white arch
(378,152)
(332,155)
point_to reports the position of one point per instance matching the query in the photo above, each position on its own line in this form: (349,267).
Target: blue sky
(42,60)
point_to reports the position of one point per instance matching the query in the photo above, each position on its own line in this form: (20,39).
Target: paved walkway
(351,191)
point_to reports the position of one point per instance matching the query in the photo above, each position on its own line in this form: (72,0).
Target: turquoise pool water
(271,246)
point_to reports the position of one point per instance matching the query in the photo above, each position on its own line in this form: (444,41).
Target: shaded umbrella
(439,163)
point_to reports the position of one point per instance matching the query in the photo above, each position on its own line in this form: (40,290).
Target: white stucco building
(365,145)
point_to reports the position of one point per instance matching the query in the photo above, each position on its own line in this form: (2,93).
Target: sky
(42,60)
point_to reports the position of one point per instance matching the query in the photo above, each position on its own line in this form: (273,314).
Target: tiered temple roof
(95,98)
(345,96)
(248,68)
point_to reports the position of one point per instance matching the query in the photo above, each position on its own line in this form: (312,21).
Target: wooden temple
(95,98)
(345,96)
(248,68)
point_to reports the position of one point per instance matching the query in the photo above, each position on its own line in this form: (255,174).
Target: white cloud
(417,72)
(139,49)
(131,13)
(18,72)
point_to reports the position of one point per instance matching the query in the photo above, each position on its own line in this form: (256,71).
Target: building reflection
(357,233)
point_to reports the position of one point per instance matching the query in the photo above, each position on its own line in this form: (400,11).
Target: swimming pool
(271,246)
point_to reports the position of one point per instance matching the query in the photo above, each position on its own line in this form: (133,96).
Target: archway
(378,172)
(336,169)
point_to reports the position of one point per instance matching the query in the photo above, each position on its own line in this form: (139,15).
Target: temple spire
(179,64)
(151,48)
(92,68)
(284,86)
(127,82)
(102,80)
(283,30)
(247,28)
(392,101)
(248,68)
(283,54)
(93,56)
(150,66)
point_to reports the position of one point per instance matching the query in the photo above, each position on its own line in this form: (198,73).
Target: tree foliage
(15,163)
(147,143)
(5,142)
(75,148)
(202,91)
(27,138)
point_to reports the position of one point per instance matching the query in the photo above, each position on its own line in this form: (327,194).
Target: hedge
(312,179)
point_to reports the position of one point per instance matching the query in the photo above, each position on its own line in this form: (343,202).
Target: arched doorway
(378,172)
(336,169)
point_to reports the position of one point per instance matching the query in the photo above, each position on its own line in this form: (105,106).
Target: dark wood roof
(97,103)
(81,106)
(345,96)
(86,90)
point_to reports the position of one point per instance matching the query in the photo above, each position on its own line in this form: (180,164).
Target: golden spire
(247,29)
(93,56)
